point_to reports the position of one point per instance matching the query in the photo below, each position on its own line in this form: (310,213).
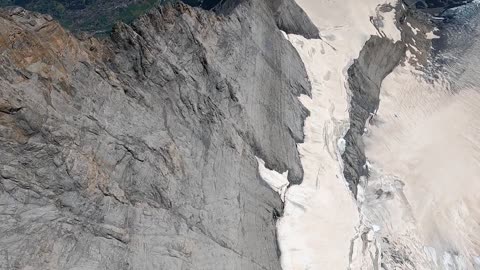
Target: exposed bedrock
(435,7)
(288,16)
(139,152)
(377,59)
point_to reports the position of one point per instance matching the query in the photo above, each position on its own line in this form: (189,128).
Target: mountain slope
(138,152)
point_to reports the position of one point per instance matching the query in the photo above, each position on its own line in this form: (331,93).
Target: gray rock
(139,152)
(435,7)
(377,59)
(293,20)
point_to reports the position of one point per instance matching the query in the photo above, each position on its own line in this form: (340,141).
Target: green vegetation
(131,12)
(96,16)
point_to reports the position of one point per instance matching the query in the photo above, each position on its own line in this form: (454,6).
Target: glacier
(418,206)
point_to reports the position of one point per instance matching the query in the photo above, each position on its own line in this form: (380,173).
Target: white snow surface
(275,180)
(321,217)
(424,155)
(427,137)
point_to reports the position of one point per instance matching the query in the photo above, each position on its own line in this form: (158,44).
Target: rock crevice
(138,151)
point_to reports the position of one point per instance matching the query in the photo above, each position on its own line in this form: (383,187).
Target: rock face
(377,59)
(139,152)
(435,7)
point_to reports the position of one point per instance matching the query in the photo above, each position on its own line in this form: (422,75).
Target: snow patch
(415,30)
(341,144)
(431,35)
(275,180)
(389,23)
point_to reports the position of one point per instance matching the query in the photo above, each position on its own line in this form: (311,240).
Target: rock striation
(138,151)
(377,59)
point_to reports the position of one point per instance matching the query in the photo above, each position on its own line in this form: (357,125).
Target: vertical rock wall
(139,152)
(377,59)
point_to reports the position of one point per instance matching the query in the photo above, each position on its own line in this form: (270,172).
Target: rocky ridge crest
(138,152)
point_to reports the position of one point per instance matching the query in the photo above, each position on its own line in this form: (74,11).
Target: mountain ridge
(140,152)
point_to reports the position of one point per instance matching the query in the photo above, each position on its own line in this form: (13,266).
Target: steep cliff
(435,7)
(138,152)
(377,59)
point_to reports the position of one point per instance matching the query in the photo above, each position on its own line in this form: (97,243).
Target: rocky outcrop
(435,7)
(289,17)
(293,20)
(138,152)
(377,59)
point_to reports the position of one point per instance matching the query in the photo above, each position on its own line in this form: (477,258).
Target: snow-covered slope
(321,218)
(424,148)
(424,151)
(418,206)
